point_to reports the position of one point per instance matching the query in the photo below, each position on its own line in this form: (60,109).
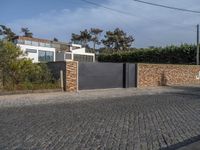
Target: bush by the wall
(18,72)
(184,54)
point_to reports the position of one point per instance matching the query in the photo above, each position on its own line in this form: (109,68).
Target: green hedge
(184,54)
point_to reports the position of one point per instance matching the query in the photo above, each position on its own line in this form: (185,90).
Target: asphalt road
(155,121)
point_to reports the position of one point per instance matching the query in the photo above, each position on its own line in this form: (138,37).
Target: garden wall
(167,74)
(111,75)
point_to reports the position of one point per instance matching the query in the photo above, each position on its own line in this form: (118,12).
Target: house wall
(75,46)
(167,74)
(34,56)
(79,51)
(60,56)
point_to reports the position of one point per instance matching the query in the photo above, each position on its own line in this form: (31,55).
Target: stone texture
(167,74)
(71,76)
(140,122)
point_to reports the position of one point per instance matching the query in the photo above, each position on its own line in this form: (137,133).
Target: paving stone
(140,122)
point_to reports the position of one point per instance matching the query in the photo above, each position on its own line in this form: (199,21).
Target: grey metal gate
(106,75)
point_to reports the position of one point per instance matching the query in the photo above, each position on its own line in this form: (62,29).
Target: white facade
(41,50)
(80,51)
(75,45)
(32,52)
(62,56)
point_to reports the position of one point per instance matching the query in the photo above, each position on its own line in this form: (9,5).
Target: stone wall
(71,76)
(166,74)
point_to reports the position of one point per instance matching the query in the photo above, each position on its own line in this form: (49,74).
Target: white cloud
(148,24)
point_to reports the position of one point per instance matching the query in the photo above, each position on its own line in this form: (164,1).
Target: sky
(149,25)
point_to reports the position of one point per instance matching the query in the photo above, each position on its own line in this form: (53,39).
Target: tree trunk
(94,46)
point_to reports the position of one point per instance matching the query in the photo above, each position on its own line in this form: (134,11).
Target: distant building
(41,50)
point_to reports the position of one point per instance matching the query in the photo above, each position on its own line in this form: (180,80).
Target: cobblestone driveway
(138,122)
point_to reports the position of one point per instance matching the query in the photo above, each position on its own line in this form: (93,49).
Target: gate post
(71,76)
(126,75)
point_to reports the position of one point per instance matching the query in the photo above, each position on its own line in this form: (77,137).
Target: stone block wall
(71,76)
(166,74)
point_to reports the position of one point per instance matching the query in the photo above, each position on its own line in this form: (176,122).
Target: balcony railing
(33,43)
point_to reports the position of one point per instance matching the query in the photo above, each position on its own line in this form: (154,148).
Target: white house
(39,50)
(75,52)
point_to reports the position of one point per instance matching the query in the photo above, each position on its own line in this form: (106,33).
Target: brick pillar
(71,76)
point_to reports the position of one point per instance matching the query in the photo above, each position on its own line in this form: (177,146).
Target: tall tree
(26,32)
(76,38)
(7,33)
(83,38)
(55,39)
(117,40)
(95,33)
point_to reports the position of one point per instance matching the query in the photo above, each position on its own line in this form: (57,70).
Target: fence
(106,75)
(81,76)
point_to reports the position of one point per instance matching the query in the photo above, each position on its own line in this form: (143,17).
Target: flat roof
(32,39)
(45,41)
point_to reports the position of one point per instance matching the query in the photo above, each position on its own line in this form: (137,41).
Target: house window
(48,45)
(31,51)
(42,44)
(83,58)
(45,56)
(35,43)
(27,42)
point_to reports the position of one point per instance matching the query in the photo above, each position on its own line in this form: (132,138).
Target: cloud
(148,24)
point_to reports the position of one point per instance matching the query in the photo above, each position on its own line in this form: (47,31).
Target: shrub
(18,72)
(184,54)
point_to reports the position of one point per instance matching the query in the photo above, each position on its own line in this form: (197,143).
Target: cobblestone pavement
(156,121)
